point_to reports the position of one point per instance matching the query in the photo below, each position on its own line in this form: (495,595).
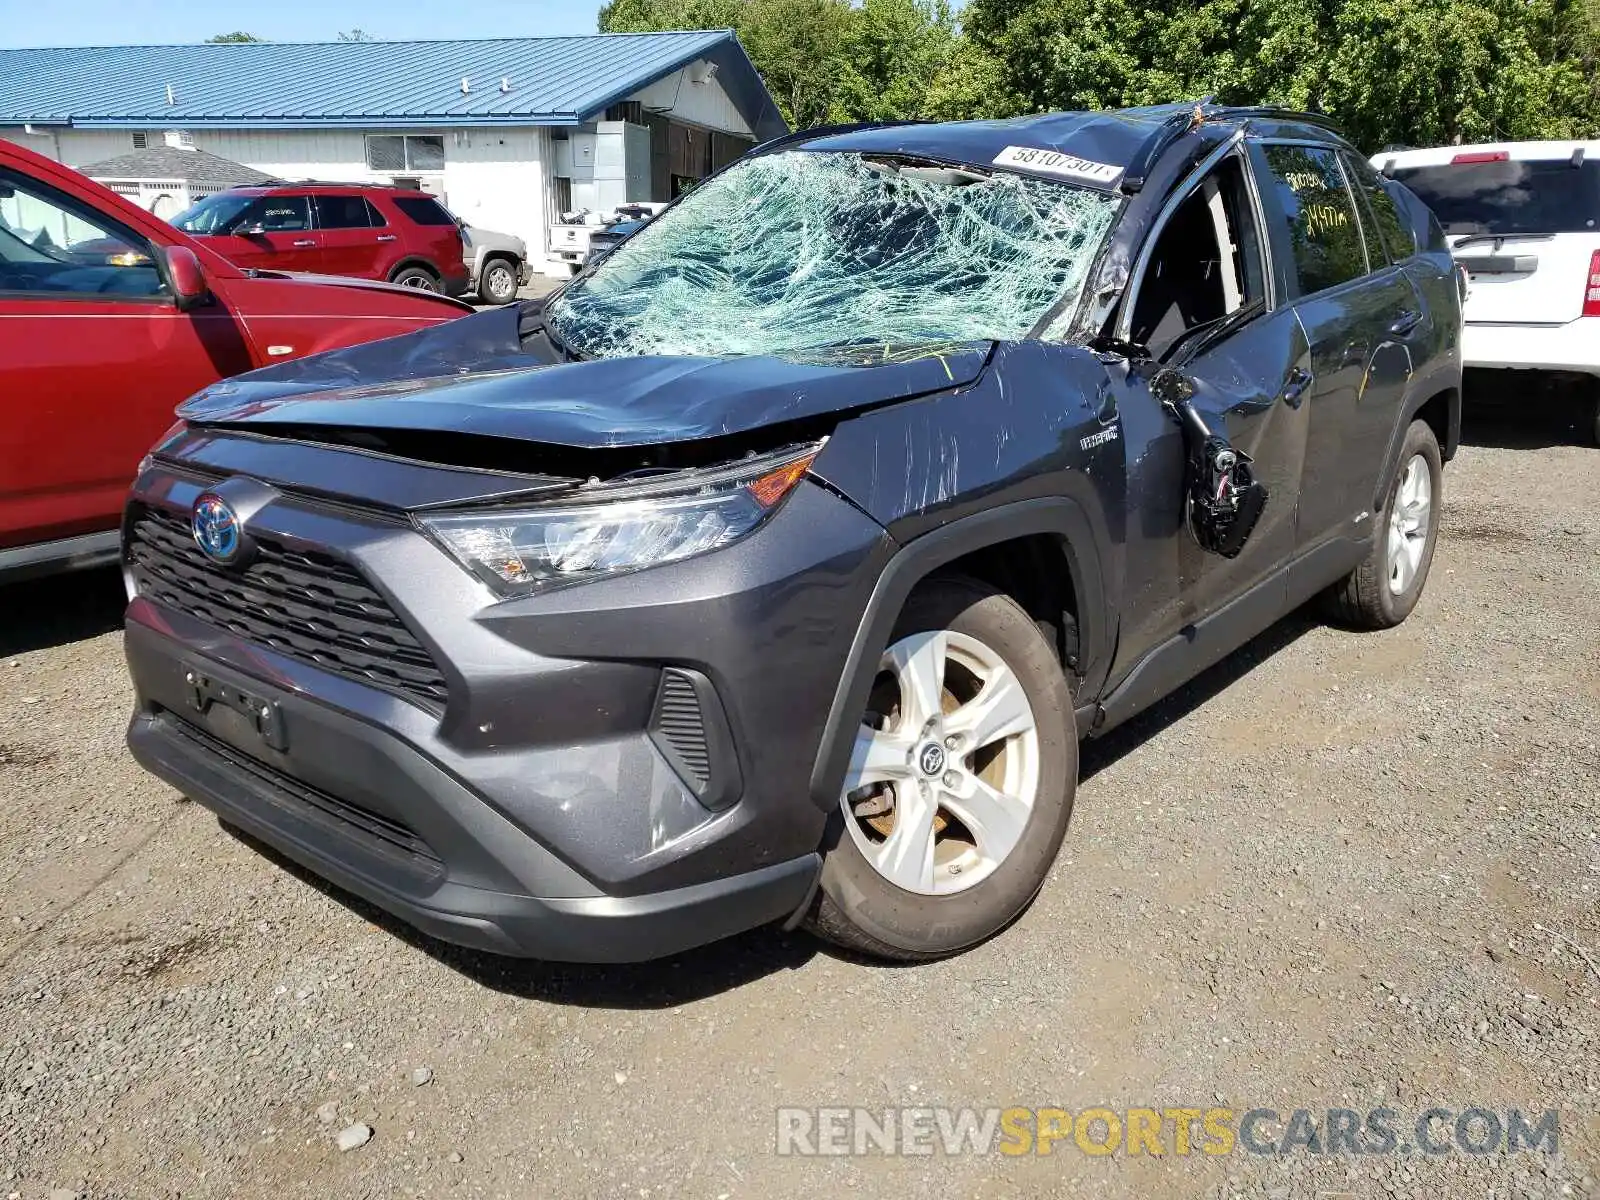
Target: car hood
(496,375)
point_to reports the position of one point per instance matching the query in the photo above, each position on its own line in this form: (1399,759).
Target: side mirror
(187,277)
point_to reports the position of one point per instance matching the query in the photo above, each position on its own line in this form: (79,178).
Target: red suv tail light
(1591,288)
(1483,156)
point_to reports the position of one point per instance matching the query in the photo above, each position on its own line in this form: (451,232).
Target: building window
(405,152)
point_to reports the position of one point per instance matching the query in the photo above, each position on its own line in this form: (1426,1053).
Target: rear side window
(423,211)
(1382,210)
(1324,234)
(343,212)
(1505,196)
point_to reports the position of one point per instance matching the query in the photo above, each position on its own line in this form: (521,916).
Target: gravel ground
(1338,870)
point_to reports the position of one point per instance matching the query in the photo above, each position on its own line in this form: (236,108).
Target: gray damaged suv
(773,569)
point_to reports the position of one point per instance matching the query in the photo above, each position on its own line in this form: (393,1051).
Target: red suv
(110,318)
(366,230)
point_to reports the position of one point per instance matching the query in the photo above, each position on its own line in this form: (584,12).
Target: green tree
(822,59)
(236,36)
(1389,71)
(894,53)
(355,35)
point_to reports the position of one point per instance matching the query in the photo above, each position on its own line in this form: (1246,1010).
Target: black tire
(416,277)
(859,909)
(1594,410)
(498,280)
(1364,598)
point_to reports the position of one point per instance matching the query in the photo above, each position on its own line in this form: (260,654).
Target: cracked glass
(796,252)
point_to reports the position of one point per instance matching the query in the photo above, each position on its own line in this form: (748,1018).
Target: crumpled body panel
(473,376)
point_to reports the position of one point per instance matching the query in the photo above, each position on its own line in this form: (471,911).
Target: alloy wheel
(1409,522)
(945,770)
(499,283)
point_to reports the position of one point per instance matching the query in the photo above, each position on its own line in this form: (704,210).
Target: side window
(342,212)
(424,211)
(275,214)
(1385,213)
(1206,263)
(51,243)
(374,217)
(1324,234)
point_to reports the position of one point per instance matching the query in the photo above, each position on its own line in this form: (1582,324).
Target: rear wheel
(961,783)
(1383,590)
(416,277)
(499,283)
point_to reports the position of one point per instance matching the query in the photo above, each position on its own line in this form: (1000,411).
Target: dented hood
(496,375)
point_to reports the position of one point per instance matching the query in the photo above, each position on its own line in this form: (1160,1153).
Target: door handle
(388,237)
(1295,385)
(305,242)
(1405,322)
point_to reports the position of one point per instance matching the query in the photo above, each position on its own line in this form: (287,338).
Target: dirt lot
(1338,871)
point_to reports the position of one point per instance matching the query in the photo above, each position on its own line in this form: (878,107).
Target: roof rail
(1287,114)
(341,183)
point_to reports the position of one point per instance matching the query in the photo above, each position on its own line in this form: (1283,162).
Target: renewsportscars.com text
(1101,1130)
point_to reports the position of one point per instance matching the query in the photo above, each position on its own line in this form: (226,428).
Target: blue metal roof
(552,81)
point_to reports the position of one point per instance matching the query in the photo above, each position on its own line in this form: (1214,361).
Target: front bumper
(537,811)
(441,859)
(1574,346)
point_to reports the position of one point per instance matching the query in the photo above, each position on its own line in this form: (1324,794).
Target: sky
(143,22)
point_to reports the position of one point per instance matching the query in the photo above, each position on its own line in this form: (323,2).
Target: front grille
(382,834)
(307,606)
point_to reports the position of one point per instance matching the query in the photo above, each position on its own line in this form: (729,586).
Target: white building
(510,133)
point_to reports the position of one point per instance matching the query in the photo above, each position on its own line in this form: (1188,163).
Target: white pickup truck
(1523,218)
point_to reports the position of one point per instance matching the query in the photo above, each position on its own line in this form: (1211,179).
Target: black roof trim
(1170,130)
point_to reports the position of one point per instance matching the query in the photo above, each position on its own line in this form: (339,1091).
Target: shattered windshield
(791,252)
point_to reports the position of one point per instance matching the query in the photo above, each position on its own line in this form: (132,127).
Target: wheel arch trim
(919,559)
(413,260)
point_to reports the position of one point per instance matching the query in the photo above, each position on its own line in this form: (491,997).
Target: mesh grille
(678,723)
(307,606)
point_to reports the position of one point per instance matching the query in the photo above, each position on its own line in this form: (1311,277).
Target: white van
(1524,219)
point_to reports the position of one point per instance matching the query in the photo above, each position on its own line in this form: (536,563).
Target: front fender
(1055,515)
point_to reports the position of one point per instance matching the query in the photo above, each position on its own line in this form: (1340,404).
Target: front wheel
(961,783)
(1383,590)
(499,281)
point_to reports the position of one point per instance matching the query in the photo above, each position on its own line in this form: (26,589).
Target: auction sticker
(1063,166)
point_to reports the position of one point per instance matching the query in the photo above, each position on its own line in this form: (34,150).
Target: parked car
(1523,218)
(604,241)
(367,230)
(497,263)
(772,570)
(109,318)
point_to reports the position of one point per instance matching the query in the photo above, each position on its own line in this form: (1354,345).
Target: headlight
(621,527)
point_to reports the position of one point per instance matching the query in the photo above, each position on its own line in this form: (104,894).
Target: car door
(273,233)
(96,357)
(1360,313)
(1241,349)
(350,243)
